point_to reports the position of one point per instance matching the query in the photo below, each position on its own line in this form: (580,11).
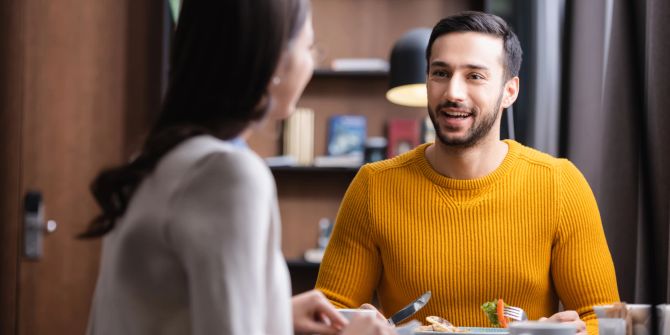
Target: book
(299,136)
(403,135)
(346,135)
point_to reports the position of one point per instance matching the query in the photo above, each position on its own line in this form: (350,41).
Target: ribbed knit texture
(529,233)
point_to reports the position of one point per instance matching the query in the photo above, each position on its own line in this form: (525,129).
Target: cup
(349,313)
(663,312)
(639,313)
(640,316)
(611,326)
(541,328)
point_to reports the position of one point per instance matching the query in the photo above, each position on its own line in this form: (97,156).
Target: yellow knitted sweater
(529,233)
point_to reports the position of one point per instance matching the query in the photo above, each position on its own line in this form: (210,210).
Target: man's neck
(467,163)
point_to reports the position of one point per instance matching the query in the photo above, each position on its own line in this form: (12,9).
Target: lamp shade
(408,69)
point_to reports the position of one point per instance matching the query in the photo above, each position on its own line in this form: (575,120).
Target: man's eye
(440,73)
(476,76)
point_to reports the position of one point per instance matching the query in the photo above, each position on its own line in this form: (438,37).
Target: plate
(469,331)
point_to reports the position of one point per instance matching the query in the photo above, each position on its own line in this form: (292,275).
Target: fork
(515,313)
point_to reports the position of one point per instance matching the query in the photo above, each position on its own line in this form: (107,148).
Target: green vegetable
(490,308)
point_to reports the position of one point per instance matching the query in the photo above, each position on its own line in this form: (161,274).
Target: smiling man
(471,217)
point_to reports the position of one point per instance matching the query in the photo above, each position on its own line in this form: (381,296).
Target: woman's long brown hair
(224,55)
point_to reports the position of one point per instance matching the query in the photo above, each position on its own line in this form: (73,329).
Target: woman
(192,225)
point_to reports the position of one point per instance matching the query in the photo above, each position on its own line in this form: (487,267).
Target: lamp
(408,69)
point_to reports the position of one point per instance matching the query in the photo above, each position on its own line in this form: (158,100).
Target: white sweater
(197,251)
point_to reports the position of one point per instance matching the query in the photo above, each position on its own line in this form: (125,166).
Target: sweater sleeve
(351,266)
(218,229)
(582,267)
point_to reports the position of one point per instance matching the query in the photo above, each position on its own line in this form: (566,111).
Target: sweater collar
(514,149)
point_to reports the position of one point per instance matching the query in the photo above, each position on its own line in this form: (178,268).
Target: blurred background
(81,80)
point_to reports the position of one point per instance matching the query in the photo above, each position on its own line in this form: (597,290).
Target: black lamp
(408,69)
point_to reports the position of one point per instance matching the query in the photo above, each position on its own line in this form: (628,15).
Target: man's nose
(455,89)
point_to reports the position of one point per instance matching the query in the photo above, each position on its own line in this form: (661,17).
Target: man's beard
(476,132)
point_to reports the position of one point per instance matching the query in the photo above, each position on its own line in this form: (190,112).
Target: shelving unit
(343,29)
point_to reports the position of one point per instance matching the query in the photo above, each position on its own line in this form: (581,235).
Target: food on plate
(494,311)
(439,324)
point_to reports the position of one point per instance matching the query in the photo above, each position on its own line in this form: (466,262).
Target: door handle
(34,226)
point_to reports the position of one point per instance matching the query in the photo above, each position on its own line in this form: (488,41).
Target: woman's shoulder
(208,150)
(208,158)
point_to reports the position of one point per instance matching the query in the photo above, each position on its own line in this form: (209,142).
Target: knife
(410,309)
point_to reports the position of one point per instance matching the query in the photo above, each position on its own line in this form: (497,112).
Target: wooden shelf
(313,169)
(328,73)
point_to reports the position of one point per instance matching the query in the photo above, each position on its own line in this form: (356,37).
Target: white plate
(470,331)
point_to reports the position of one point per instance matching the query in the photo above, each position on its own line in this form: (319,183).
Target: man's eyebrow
(439,63)
(476,67)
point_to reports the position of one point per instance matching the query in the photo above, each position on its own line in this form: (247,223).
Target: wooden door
(79,80)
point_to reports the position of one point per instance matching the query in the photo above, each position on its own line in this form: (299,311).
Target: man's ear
(511,92)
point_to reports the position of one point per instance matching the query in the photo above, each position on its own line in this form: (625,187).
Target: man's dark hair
(484,23)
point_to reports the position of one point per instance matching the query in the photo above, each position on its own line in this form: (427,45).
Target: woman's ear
(511,92)
(280,71)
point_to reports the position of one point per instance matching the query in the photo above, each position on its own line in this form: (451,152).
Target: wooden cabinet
(343,29)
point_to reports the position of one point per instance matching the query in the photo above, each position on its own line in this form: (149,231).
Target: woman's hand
(569,317)
(380,316)
(368,325)
(314,314)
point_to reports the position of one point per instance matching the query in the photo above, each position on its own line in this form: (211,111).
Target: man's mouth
(456,113)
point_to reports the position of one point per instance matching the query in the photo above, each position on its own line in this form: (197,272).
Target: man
(470,217)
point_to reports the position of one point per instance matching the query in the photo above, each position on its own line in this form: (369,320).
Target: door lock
(34,226)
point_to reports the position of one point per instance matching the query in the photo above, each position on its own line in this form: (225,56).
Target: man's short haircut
(485,23)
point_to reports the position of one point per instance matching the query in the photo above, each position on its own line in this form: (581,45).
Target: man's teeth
(458,114)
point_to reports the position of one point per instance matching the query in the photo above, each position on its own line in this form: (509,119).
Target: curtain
(657,135)
(547,21)
(615,129)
